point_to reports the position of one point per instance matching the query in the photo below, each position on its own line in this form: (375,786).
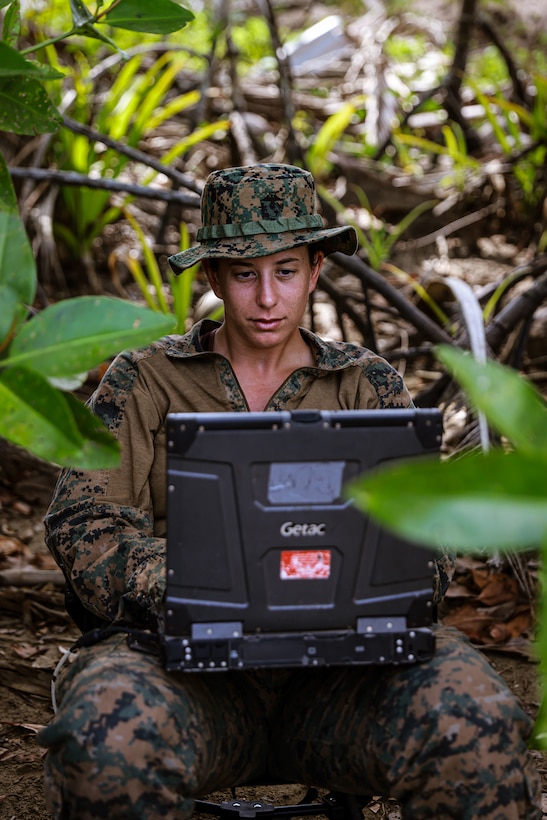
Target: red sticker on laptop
(304,564)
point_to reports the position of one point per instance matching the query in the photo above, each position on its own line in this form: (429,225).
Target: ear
(316,270)
(211,272)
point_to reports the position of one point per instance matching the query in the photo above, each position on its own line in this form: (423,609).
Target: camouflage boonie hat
(258,210)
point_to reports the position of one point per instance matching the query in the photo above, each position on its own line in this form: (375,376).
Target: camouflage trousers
(446,738)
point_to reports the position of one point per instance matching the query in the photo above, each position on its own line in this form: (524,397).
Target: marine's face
(265,298)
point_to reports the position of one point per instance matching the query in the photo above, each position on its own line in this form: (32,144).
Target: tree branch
(133,153)
(83,181)
(369,278)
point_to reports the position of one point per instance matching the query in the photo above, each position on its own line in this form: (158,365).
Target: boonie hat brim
(329,240)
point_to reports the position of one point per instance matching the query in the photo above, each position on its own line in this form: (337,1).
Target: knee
(114,749)
(461,702)
(457,720)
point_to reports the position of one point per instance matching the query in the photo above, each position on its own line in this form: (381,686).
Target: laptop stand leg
(335,806)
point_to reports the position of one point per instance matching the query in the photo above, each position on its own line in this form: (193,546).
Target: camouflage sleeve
(100,525)
(387,383)
(445,564)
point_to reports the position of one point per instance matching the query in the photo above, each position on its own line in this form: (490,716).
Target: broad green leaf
(510,403)
(13,64)
(9,313)
(8,200)
(539,738)
(25,107)
(46,422)
(495,500)
(77,334)
(17,264)
(12,21)
(158,17)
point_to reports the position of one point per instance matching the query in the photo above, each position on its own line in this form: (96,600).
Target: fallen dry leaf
(499,588)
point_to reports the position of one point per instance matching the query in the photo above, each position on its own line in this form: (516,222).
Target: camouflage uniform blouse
(106,528)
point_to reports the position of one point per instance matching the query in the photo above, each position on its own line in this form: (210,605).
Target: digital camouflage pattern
(258,210)
(132,741)
(446,738)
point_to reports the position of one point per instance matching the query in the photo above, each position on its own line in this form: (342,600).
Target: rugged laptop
(269,564)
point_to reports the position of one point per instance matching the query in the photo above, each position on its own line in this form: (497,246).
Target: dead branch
(519,87)
(84,181)
(132,153)
(31,577)
(370,279)
(520,308)
(294,152)
(343,305)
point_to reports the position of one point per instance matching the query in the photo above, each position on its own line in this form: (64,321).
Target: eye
(244,275)
(284,273)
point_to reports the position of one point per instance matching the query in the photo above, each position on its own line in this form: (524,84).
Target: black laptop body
(269,564)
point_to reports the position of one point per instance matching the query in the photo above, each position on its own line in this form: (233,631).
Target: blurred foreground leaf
(495,501)
(53,425)
(76,334)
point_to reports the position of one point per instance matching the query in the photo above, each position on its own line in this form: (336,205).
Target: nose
(266,291)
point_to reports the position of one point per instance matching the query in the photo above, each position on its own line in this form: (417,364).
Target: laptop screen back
(266,552)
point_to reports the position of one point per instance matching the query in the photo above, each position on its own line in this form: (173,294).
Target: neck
(289,356)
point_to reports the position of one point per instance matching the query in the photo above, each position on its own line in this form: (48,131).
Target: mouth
(266,324)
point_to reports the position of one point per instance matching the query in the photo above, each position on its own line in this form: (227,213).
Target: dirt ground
(34,631)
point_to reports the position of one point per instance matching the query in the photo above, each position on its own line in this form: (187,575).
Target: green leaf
(10,311)
(80,13)
(46,422)
(539,738)
(12,64)
(8,200)
(158,17)
(327,136)
(509,402)
(25,107)
(17,264)
(77,334)
(12,21)
(495,500)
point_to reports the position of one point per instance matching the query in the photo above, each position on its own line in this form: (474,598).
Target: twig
(520,308)
(83,181)
(450,227)
(246,154)
(451,85)
(408,311)
(133,153)
(31,577)
(294,153)
(240,133)
(519,87)
(341,302)
(498,330)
